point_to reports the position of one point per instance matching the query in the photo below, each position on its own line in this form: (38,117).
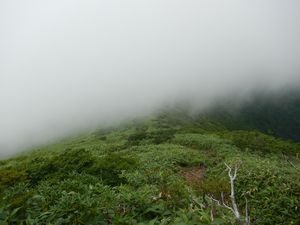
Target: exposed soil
(193,174)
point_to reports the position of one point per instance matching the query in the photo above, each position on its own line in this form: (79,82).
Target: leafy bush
(261,143)
(110,167)
(156,136)
(199,141)
(77,160)
(9,177)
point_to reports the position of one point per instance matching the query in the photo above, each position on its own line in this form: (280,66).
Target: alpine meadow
(136,112)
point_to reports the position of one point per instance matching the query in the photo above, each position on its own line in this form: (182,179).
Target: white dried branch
(222,204)
(234,208)
(232,194)
(247,211)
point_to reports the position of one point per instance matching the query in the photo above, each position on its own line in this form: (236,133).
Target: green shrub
(14,203)
(213,187)
(156,136)
(199,141)
(110,167)
(70,160)
(261,143)
(9,177)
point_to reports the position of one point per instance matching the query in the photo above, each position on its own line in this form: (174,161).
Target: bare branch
(222,204)
(247,211)
(234,208)
(235,172)
(228,167)
(293,165)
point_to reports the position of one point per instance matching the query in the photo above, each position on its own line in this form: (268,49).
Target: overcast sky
(69,64)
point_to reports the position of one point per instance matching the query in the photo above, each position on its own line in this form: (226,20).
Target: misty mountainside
(149,112)
(276,114)
(163,169)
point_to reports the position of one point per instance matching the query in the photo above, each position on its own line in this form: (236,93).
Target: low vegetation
(157,172)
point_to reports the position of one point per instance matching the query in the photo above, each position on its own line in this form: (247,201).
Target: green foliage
(134,175)
(199,141)
(272,187)
(110,167)
(70,160)
(11,176)
(271,183)
(213,186)
(14,202)
(157,136)
(137,137)
(261,143)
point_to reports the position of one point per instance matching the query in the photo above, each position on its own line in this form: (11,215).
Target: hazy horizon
(68,65)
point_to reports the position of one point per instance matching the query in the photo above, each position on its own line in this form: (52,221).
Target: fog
(69,65)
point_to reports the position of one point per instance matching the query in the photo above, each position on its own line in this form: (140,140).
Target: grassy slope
(133,175)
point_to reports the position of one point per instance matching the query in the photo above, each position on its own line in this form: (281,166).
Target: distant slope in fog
(275,114)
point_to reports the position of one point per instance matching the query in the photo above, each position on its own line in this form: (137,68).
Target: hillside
(277,113)
(160,170)
(150,112)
